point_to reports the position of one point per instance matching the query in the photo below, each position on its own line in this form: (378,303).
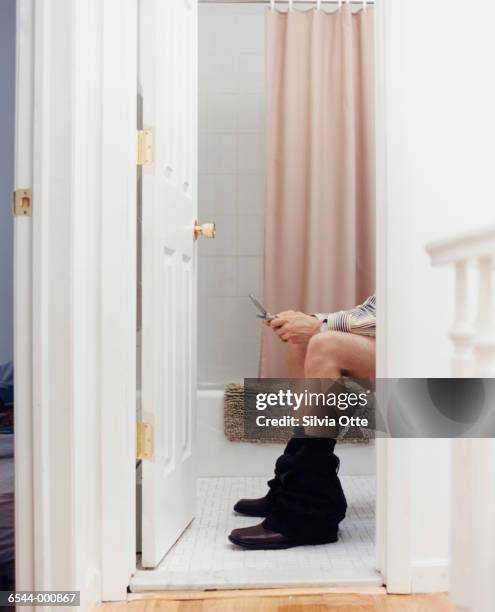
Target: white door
(168,84)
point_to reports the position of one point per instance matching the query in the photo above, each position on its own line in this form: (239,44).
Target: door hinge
(144,147)
(144,440)
(23,203)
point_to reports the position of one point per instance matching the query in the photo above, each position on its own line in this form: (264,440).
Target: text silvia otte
(310,421)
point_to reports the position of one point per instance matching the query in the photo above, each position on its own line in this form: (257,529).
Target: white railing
(474,341)
(472,587)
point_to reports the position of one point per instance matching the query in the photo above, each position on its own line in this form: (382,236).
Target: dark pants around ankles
(306,498)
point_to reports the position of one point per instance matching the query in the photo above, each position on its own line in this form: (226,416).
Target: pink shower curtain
(320,200)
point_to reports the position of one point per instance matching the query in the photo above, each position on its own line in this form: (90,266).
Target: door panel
(168,84)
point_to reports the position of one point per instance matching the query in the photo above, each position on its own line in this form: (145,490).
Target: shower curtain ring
(291,2)
(318,5)
(365,4)
(272,4)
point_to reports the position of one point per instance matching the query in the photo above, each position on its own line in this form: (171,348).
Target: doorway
(105,451)
(231,192)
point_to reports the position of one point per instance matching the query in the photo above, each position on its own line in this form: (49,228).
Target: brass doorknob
(207,230)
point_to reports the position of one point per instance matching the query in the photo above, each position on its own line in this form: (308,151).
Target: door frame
(75,296)
(393,457)
(23,325)
(401,498)
(78,443)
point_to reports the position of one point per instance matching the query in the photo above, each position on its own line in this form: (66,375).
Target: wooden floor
(283,600)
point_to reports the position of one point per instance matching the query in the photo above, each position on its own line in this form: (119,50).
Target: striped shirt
(360,320)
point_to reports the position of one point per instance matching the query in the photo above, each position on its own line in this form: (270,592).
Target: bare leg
(335,354)
(332,355)
(297,357)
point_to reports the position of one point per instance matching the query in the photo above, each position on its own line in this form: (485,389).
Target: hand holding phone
(264,314)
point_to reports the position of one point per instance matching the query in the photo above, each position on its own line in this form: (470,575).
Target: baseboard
(430,576)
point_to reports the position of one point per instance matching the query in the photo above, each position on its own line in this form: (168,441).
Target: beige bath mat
(234,418)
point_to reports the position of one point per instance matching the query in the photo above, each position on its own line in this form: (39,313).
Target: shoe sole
(263,547)
(277,546)
(255,514)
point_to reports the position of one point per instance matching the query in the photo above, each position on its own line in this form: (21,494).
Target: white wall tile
(251,323)
(250,235)
(250,32)
(218,194)
(202,113)
(217,153)
(242,362)
(217,317)
(251,154)
(248,359)
(216,35)
(218,73)
(217,276)
(229,317)
(250,113)
(223,360)
(231,167)
(202,357)
(250,194)
(251,69)
(249,275)
(222,112)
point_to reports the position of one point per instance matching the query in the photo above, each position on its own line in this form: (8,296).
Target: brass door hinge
(144,440)
(144,147)
(23,203)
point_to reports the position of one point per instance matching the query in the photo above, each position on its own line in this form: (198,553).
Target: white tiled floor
(203,558)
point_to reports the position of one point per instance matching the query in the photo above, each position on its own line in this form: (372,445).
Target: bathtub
(219,457)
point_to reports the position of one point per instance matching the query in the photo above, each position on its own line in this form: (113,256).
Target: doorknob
(207,230)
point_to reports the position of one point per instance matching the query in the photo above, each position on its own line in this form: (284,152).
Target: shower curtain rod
(284,2)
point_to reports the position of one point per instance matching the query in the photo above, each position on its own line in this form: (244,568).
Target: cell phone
(265,315)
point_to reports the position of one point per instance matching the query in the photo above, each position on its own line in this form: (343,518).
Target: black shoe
(259,537)
(253,507)
(259,507)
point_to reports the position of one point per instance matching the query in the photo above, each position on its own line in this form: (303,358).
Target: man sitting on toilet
(305,502)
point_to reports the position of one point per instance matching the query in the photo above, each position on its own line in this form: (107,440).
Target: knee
(325,345)
(323,355)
